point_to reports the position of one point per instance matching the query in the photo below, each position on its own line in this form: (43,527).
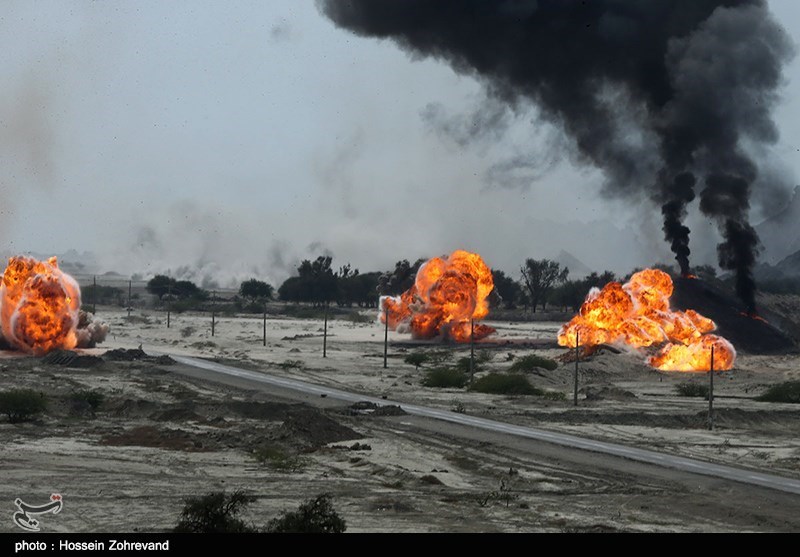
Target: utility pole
(169,301)
(325,334)
(711,392)
(213,311)
(130,286)
(577,358)
(94,294)
(471,350)
(264,340)
(385,333)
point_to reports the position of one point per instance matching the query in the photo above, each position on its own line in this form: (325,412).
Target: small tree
(215,513)
(255,290)
(416,359)
(315,516)
(540,275)
(159,285)
(507,288)
(185,289)
(21,405)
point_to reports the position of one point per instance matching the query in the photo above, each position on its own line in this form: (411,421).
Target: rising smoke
(661,95)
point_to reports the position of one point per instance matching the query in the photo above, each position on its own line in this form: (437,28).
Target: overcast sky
(235,138)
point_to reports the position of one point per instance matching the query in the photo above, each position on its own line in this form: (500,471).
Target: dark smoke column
(661,95)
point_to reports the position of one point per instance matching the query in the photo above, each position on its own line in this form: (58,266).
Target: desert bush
(278,459)
(554,395)
(358,317)
(215,513)
(91,398)
(692,389)
(21,405)
(291,364)
(439,357)
(315,516)
(505,384)
(444,377)
(305,312)
(782,392)
(481,359)
(417,359)
(531,362)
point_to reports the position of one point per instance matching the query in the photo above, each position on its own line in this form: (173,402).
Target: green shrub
(505,384)
(315,516)
(21,405)
(484,356)
(416,359)
(278,459)
(92,398)
(481,359)
(305,312)
(782,392)
(692,389)
(531,362)
(358,317)
(462,364)
(439,357)
(554,395)
(215,513)
(444,377)
(291,364)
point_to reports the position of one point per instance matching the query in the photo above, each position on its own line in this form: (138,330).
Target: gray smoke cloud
(666,97)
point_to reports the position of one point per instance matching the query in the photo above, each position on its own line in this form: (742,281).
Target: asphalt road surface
(622,457)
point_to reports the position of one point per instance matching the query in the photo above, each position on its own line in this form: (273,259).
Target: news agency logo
(23,519)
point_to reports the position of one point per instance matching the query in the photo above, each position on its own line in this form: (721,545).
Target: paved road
(689,465)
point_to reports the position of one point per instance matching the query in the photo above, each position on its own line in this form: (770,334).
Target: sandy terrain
(160,436)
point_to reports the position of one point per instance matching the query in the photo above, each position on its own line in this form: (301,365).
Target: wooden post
(325,334)
(577,357)
(711,391)
(213,311)
(94,294)
(264,340)
(130,285)
(385,333)
(471,350)
(169,302)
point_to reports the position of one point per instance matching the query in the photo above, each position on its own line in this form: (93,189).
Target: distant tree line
(542,283)
(162,285)
(318,284)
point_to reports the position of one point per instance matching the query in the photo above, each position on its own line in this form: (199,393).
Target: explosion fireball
(637,314)
(40,306)
(448,293)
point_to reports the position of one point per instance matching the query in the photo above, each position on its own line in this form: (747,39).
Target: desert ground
(162,434)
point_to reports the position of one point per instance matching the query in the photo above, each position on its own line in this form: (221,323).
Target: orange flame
(695,356)
(447,294)
(40,305)
(637,314)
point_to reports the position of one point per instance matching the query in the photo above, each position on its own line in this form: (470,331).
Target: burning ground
(159,436)
(637,315)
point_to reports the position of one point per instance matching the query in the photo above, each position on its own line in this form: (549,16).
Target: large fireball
(449,293)
(637,314)
(40,306)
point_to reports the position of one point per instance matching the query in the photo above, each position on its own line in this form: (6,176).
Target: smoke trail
(654,93)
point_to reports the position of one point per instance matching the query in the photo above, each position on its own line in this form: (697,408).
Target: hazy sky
(234,138)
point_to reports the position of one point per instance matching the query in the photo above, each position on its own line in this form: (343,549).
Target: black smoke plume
(656,93)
